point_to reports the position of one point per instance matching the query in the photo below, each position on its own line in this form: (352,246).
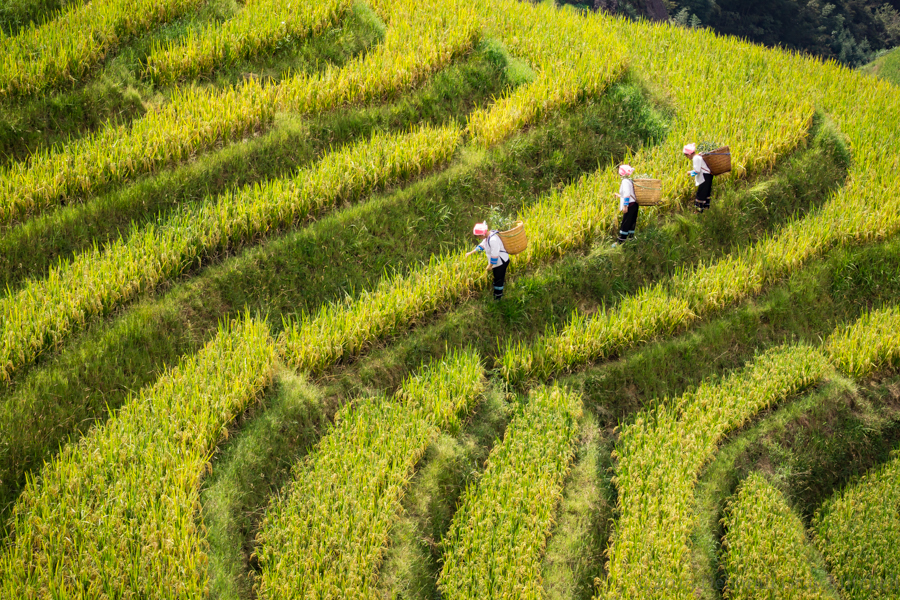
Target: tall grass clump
(64,49)
(45,311)
(257,28)
(858,532)
(497,538)
(114,515)
(868,344)
(660,455)
(326,536)
(767,555)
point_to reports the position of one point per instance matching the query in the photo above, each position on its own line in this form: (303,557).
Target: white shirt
(700,167)
(493,247)
(626,193)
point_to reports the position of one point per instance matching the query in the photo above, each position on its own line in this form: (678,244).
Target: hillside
(243,352)
(851,32)
(886,67)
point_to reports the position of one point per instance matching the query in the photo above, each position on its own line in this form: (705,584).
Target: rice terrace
(244,353)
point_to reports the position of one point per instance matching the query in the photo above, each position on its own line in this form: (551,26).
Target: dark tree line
(850,31)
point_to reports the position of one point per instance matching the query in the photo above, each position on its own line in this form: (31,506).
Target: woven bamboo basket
(514,240)
(648,192)
(719,160)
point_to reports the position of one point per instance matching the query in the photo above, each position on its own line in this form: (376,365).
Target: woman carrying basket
(703,177)
(627,204)
(498,258)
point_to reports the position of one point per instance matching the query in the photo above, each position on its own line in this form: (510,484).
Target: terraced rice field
(243,353)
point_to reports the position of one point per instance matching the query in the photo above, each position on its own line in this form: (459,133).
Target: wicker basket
(719,160)
(648,192)
(514,240)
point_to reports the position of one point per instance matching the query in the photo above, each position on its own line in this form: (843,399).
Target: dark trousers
(499,279)
(629,221)
(704,190)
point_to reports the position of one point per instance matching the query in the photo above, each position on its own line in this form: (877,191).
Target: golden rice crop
(256,28)
(858,531)
(65,48)
(496,540)
(759,101)
(660,455)
(194,120)
(575,58)
(45,311)
(767,555)
(113,515)
(418,43)
(420,39)
(325,537)
(867,344)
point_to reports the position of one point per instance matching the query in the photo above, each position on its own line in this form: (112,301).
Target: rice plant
(496,540)
(65,48)
(419,42)
(45,311)
(660,455)
(326,536)
(858,532)
(114,515)
(575,59)
(258,27)
(867,344)
(767,555)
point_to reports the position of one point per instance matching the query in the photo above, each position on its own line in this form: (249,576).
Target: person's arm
(477,248)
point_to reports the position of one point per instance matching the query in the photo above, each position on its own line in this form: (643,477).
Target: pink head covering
(480,229)
(626,171)
(690,149)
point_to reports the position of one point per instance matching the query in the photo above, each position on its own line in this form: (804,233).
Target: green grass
(250,470)
(413,558)
(733,463)
(575,554)
(886,67)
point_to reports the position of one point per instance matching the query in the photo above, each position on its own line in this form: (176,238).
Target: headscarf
(481,229)
(690,149)
(626,171)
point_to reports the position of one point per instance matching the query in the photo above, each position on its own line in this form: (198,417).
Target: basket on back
(718,160)
(648,192)
(514,240)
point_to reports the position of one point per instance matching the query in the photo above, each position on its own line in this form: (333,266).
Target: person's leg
(623,228)
(703,192)
(499,279)
(632,218)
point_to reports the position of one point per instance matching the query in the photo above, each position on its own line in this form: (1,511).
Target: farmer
(627,205)
(498,258)
(702,177)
